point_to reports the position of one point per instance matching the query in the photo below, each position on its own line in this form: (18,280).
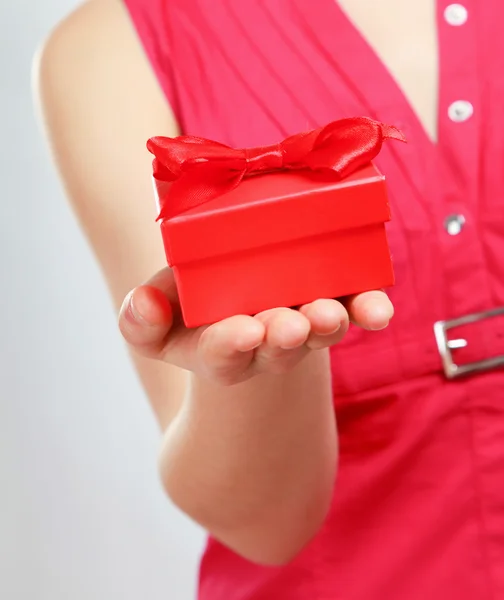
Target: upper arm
(100,102)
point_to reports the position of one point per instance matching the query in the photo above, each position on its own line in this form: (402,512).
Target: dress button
(460,111)
(454,224)
(455,14)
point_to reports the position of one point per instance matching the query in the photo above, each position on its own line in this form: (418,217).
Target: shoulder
(93,62)
(86,29)
(94,42)
(93,81)
(99,102)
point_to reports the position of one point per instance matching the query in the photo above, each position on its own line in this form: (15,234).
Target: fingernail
(134,311)
(379,327)
(333,331)
(292,346)
(250,348)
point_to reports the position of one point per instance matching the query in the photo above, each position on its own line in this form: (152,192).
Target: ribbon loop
(203,170)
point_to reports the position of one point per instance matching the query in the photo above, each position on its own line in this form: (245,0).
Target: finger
(328,320)
(164,281)
(286,333)
(145,319)
(226,349)
(285,328)
(370,310)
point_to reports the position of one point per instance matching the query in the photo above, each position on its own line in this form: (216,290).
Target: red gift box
(253,238)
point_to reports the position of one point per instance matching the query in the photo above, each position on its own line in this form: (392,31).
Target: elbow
(286,537)
(271,536)
(271,528)
(290,524)
(279,554)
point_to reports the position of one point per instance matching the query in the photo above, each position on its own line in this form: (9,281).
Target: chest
(403,34)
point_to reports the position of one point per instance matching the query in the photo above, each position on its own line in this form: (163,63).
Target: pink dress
(418,509)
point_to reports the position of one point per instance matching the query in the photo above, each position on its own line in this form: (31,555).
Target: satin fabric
(201,170)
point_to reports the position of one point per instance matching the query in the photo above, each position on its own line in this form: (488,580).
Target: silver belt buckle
(445,345)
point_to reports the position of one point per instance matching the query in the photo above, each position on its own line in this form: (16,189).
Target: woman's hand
(235,349)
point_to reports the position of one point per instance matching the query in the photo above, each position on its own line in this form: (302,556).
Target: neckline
(375,90)
(370,76)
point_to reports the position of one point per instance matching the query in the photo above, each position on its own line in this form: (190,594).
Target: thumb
(145,319)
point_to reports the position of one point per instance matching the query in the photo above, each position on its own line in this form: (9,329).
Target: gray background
(82,515)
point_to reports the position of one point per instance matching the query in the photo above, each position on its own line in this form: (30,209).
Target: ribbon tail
(389,132)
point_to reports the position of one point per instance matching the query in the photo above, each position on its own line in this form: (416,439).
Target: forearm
(255,463)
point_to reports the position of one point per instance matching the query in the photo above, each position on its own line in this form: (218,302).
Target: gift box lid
(276,208)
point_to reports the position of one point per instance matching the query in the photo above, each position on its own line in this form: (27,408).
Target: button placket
(461,110)
(459,119)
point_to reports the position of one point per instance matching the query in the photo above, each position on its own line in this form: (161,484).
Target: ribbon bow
(200,170)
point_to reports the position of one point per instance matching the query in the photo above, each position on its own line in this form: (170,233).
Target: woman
(415,507)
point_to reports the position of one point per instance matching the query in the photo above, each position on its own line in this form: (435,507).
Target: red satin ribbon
(199,170)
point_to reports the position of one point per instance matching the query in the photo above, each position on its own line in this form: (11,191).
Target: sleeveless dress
(418,508)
